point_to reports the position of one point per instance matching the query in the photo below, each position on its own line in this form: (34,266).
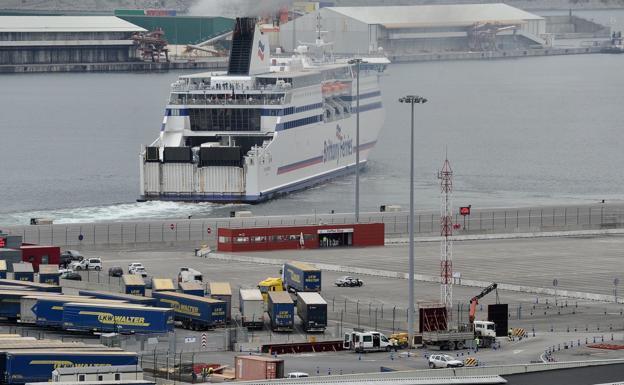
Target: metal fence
(396,225)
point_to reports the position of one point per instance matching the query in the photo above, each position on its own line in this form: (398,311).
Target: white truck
(366,341)
(188,274)
(251,308)
(483,333)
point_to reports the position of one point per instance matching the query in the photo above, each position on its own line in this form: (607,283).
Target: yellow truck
(270,284)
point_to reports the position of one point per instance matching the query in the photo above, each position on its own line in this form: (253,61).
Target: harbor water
(518,132)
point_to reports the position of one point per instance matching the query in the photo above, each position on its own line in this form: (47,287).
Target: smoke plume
(238,8)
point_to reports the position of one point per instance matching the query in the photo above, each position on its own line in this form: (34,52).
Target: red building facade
(40,255)
(297,237)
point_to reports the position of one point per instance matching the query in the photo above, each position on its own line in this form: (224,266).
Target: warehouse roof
(66,24)
(415,16)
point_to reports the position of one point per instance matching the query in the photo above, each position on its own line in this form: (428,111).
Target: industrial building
(415,29)
(66,39)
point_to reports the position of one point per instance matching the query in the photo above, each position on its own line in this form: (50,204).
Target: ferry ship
(267,126)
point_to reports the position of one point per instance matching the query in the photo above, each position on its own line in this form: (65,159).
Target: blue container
(281,309)
(20,367)
(299,276)
(135,299)
(193,311)
(119,318)
(49,279)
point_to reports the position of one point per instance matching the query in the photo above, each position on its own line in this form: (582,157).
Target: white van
(366,342)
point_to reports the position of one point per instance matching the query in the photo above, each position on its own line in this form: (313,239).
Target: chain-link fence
(396,225)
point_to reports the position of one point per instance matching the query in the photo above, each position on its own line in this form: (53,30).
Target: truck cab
(370,341)
(188,274)
(270,284)
(485,329)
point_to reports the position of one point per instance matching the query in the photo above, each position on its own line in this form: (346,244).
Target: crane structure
(446,231)
(152,45)
(474,301)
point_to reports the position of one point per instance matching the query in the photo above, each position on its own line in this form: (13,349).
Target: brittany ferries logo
(261,50)
(337,150)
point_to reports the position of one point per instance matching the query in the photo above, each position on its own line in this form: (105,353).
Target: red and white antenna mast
(446,231)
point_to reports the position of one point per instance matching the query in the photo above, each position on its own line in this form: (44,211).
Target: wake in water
(119,212)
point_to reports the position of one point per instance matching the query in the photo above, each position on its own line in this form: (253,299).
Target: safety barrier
(471,361)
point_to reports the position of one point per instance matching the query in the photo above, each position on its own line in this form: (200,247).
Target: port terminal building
(418,28)
(26,40)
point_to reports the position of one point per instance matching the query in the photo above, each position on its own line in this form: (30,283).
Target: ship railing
(183,87)
(229,101)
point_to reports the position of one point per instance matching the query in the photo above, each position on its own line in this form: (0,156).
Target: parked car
(133,266)
(444,361)
(115,271)
(139,270)
(72,276)
(87,264)
(348,281)
(69,256)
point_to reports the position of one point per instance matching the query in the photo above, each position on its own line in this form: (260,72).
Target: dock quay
(506,54)
(214,64)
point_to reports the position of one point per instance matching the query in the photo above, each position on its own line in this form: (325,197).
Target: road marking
(518,351)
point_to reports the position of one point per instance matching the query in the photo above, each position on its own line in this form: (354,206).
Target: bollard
(586,341)
(341,372)
(533,328)
(558,347)
(602,337)
(317,371)
(611,336)
(329,371)
(359,357)
(568,329)
(551,328)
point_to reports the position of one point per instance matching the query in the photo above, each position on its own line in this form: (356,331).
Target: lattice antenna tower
(446,231)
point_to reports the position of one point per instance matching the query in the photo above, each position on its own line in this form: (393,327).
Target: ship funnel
(250,52)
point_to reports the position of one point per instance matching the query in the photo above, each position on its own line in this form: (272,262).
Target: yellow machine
(270,284)
(401,339)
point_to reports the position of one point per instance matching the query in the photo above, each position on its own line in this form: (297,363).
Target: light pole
(411,99)
(357,62)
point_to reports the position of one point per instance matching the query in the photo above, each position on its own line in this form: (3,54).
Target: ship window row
(299,122)
(225,119)
(291,110)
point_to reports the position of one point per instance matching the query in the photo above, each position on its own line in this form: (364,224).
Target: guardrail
(396,225)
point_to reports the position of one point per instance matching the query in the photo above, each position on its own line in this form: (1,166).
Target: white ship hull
(294,129)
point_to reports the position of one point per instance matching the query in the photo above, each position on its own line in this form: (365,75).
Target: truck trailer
(19,285)
(49,310)
(251,306)
(10,307)
(312,310)
(299,276)
(118,318)
(23,366)
(129,298)
(196,313)
(281,309)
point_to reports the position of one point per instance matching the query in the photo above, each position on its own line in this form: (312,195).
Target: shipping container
(223,292)
(23,272)
(41,255)
(133,284)
(191,288)
(129,298)
(299,276)
(3,269)
(118,318)
(250,368)
(24,285)
(49,274)
(251,306)
(312,310)
(49,311)
(23,366)
(193,311)
(162,284)
(281,309)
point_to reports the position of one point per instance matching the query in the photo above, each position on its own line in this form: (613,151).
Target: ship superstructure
(266,127)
